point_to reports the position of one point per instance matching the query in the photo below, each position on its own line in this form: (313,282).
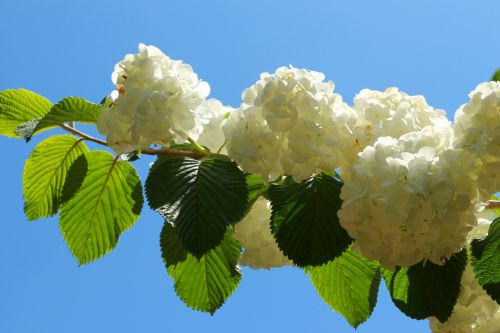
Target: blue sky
(440,49)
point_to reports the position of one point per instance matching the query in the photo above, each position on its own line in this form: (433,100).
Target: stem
(83,135)
(493,204)
(186,153)
(221,147)
(197,146)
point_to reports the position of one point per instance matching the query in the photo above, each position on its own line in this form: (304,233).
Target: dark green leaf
(107,203)
(349,284)
(106,102)
(304,220)
(17,107)
(70,109)
(201,198)
(427,289)
(485,260)
(202,283)
(496,76)
(45,173)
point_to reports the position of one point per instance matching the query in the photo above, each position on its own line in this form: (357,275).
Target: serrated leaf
(485,260)
(70,109)
(427,289)
(107,203)
(202,283)
(17,107)
(45,172)
(304,220)
(201,198)
(349,285)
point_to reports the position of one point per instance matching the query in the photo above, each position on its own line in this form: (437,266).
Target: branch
(172,152)
(83,135)
(493,204)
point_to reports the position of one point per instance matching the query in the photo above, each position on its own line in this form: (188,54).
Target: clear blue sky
(440,49)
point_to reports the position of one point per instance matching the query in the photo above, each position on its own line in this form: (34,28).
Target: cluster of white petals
(290,122)
(475,311)
(155,102)
(212,115)
(404,202)
(394,113)
(477,129)
(254,235)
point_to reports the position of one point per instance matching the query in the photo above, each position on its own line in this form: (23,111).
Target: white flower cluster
(254,235)
(155,101)
(477,129)
(290,122)
(394,113)
(475,311)
(404,202)
(213,114)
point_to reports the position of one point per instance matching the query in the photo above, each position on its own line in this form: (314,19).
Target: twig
(172,152)
(493,204)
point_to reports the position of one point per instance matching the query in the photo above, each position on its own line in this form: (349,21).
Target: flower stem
(172,152)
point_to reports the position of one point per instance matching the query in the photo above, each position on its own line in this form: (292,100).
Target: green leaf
(45,172)
(202,283)
(304,220)
(18,107)
(496,76)
(70,109)
(201,198)
(427,289)
(349,284)
(107,203)
(485,260)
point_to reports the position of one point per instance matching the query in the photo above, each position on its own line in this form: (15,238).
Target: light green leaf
(485,260)
(70,109)
(107,203)
(45,172)
(349,284)
(304,220)
(201,198)
(17,107)
(203,284)
(426,289)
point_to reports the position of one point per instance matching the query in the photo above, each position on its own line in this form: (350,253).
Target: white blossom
(156,101)
(394,113)
(213,113)
(291,122)
(254,235)
(477,128)
(405,203)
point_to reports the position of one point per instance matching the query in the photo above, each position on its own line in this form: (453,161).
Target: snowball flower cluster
(155,102)
(254,235)
(477,129)
(212,115)
(394,113)
(404,202)
(290,122)
(475,311)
